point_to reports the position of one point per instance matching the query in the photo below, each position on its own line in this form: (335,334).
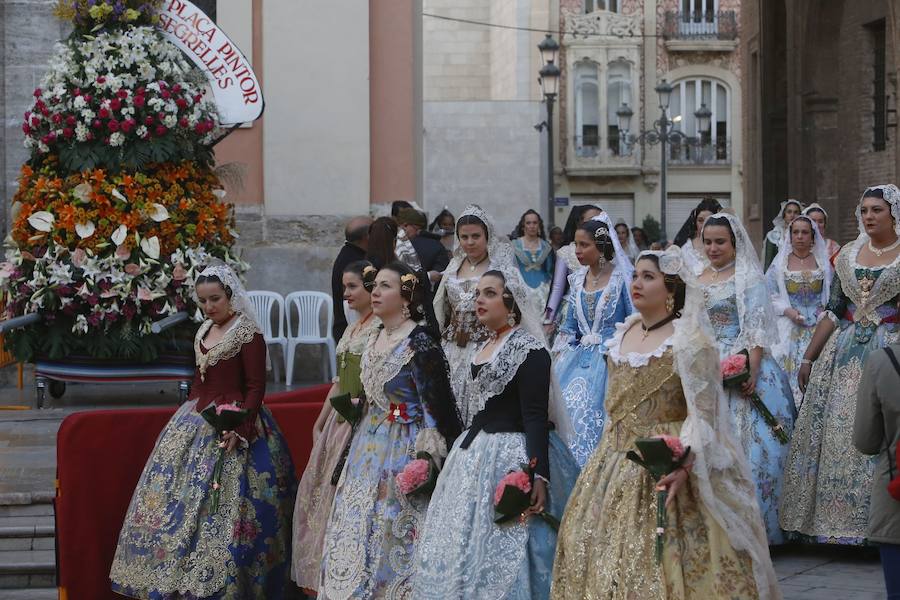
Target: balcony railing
(687,25)
(714,153)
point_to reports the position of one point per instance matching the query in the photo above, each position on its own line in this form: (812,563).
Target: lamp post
(663,133)
(548,77)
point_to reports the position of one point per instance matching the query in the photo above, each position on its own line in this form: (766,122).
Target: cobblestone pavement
(28,464)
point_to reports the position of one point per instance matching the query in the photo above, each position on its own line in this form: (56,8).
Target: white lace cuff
(827,314)
(542,478)
(431,441)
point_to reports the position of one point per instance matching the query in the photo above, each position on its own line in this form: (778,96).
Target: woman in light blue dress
(598,299)
(739,308)
(463,553)
(799,284)
(534,255)
(373,531)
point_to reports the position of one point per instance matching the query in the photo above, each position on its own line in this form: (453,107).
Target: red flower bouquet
(224,417)
(418,477)
(735,371)
(513,496)
(659,455)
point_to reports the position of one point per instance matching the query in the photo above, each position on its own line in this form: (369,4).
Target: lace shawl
(240,333)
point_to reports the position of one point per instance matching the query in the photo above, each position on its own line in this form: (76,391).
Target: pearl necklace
(717,270)
(880,251)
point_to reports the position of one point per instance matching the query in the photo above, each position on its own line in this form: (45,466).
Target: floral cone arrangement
(418,477)
(735,371)
(512,497)
(659,455)
(224,417)
(118,207)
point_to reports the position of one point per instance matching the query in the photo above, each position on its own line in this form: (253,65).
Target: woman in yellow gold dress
(664,380)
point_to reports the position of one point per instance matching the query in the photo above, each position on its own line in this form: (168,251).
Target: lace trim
(531,261)
(567,253)
(431,441)
(634,359)
(610,293)
(234,339)
(355,338)
(378,368)
(885,288)
(495,375)
(804,276)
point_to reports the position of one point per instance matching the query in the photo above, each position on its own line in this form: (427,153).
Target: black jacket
(350,253)
(432,254)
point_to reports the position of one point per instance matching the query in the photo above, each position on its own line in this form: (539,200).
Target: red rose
(70,121)
(138,101)
(57,118)
(127,125)
(76,92)
(183,122)
(165,94)
(35,120)
(161,116)
(176,88)
(68,132)
(122,94)
(96,124)
(103,113)
(26,129)
(181,103)
(88,98)
(148,121)
(198,128)
(38,92)
(113,125)
(197,98)
(140,91)
(101,79)
(115,104)
(161,130)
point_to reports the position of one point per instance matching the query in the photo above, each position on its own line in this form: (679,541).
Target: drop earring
(670,304)
(511,319)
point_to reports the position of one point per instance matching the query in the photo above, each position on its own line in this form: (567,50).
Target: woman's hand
(549,328)
(673,483)
(538,498)
(229,441)
(803,376)
(749,386)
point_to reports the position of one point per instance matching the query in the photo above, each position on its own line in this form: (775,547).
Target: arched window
(592,5)
(587,109)
(618,91)
(687,97)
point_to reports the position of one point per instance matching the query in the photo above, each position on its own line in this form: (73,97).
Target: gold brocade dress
(606,547)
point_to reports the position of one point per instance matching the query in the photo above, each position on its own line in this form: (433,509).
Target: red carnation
(35,120)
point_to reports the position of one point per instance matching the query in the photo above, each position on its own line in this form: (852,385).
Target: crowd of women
(538,373)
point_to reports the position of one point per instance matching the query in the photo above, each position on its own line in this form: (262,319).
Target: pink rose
(674,445)
(78,257)
(518,479)
(413,475)
(220,408)
(132,269)
(734,365)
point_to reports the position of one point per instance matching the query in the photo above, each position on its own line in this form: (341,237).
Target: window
(592,5)
(587,109)
(687,97)
(699,11)
(879,97)
(618,91)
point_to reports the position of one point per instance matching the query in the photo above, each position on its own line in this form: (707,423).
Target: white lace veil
(240,301)
(721,474)
(778,224)
(631,249)
(892,197)
(621,259)
(757,319)
(781,301)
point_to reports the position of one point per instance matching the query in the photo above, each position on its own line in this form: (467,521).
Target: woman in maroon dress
(175,543)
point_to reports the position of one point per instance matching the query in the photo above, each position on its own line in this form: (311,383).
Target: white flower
(170,121)
(118,195)
(158,212)
(81,132)
(60,274)
(219,193)
(81,325)
(117,139)
(119,235)
(150,247)
(141,131)
(41,220)
(90,270)
(79,102)
(85,230)
(82,191)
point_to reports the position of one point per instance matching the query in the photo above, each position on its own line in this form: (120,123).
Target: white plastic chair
(264,303)
(309,331)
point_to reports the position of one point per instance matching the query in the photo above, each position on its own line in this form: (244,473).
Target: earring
(602,262)
(670,303)
(404,312)
(511,319)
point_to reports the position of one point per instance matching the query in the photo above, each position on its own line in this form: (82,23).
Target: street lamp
(548,77)
(663,133)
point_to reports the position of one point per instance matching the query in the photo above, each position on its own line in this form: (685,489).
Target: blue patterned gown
(767,456)
(463,553)
(172,546)
(373,530)
(827,480)
(580,363)
(536,266)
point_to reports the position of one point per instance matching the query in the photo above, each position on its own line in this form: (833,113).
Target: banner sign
(238,96)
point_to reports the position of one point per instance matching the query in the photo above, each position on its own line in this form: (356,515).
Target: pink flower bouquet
(660,455)
(224,417)
(735,371)
(512,497)
(418,477)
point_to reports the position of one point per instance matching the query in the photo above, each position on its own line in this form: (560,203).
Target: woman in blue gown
(464,554)
(374,530)
(598,299)
(534,255)
(741,314)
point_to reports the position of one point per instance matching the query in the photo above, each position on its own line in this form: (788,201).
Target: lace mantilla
(567,254)
(634,359)
(230,346)
(378,368)
(879,292)
(495,375)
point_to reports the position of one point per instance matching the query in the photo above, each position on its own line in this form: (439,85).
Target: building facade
(615,52)
(820,87)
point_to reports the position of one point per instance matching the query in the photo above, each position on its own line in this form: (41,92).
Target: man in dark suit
(432,254)
(356,235)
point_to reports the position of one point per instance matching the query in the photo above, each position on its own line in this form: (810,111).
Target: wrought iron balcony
(714,153)
(699,25)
